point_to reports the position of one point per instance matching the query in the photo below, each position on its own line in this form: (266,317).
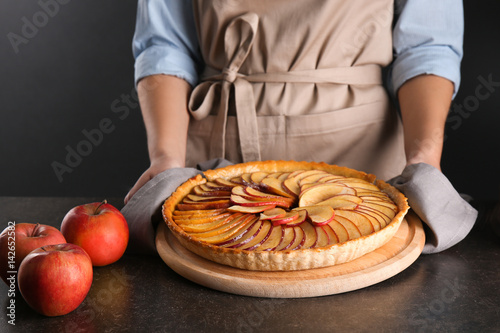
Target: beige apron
(295,80)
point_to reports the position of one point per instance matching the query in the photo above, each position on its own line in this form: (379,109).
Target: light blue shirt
(427,39)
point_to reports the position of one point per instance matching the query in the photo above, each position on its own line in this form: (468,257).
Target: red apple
(100,229)
(21,239)
(55,279)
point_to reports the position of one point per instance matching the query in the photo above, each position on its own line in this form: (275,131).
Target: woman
(297,80)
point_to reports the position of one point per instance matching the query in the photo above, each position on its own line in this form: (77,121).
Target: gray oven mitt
(143,211)
(447,216)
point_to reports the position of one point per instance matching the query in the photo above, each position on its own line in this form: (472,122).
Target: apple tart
(284,215)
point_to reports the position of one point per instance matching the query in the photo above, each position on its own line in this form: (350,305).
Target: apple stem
(35,230)
(102,203)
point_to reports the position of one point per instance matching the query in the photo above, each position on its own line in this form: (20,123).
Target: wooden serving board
(392,258)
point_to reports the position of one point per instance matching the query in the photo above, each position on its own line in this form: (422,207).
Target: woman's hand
(157,166)
(163,102)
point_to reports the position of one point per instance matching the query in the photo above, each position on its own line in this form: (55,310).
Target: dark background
(74,75)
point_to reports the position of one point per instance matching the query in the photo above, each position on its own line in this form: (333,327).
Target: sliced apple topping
(261,237)
(352,230)
(281,211)
(298,240)
(250,209)
(257,177)
(273,240)
(342,201)
(320,192)
(311,235)
(332,236)
(287,240)
(364,225)
(272,214)
(323,239)
(275,185)
(204,205)
(319,215)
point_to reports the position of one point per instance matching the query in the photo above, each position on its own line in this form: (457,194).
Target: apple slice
(252,192)
(217,187)
(315,194)
(331,178)
(322,237)
(274,175)
(193,198)
(389,212)
(244,235)
(299,239)
(240,190)
(358,184)
(249,209)
(311,235)
(340,231)
(319,215)
(381,217)
(225,182)
(251,234)
(287,240)
(247,179)
(202,219)
(351,228)
(238,200)
(197,213)
(237,180)
(261,237)
(198,190)
(364,225)
(291,186)
(332,236)
(273,214)
(314,178)
(222,228)
(273,240)
(389,204)
(241,227)
(205,227)
(283,176)
(373,220)
(342,201)
(289,217)
(257,177)
(372,195)
(275,185)
(300,219)
(204,205)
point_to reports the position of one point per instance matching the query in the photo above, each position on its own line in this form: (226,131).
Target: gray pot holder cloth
(447,217)
(143,211)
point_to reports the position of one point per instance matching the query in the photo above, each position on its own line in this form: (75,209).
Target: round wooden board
(392,258)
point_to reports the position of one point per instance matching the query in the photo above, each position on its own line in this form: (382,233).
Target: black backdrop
(71,126)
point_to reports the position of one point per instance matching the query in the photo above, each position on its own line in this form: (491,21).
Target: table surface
(453,291)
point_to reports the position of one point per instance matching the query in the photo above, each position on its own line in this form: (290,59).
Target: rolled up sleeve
(427,39)
(165,40)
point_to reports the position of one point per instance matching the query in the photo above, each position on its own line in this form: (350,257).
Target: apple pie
(284,215)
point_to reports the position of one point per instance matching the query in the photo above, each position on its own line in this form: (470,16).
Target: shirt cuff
(164,60)
(432,59)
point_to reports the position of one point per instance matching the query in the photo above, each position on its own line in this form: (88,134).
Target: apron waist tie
(239,38)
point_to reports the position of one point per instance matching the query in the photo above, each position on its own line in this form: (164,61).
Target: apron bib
(295,80)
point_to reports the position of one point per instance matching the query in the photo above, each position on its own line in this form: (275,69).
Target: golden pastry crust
(284,260)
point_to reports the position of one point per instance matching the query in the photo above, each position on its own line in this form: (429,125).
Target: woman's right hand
(157,166)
